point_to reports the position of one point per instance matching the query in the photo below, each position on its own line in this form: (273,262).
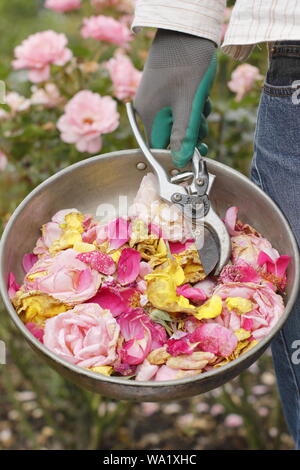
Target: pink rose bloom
(243,79)
(63,5)
(16,102)
(64,277)
(106,28)
(141,336)
(87,116)
(3,161)
(268,306)
(124,75)
(214,338)
(86,336)
(39,51)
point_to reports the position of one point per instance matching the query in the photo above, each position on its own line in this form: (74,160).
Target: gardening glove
(172,99)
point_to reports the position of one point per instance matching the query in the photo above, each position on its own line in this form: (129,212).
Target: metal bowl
(102,179)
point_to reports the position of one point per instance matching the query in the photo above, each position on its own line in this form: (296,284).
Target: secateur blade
(209,232)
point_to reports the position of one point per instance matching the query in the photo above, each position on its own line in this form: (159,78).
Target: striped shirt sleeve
(202,18)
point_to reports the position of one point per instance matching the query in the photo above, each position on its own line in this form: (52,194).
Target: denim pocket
(283,76)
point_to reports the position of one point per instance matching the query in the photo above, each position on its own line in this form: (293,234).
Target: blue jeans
(276,169)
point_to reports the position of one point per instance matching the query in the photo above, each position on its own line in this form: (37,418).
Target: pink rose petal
(128,266)
(13,287)
(118,233)
(37,332)
(29,259)
(214,338)
(193,293)
(176,347)
(178,247)
(99,261)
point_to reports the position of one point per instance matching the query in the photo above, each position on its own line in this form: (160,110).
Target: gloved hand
(172,97)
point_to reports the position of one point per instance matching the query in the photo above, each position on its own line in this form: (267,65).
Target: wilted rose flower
(141,336)
(242,272)
(87,336)
(63,5)
(243,79)
(124,75)
(87,116)
(246,248)
(64,277)
(106,28)
(39,51)
(3,161)
(268,306)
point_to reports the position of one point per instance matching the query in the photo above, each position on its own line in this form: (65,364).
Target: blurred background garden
(38,408)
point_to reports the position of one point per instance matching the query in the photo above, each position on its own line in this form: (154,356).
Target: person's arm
(179,71)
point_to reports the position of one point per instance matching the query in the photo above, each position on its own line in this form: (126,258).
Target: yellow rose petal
(161,288)
(239,304)
(210,309)
(242,334)
(73,222)
(37,307)
(104,370)
(116,255)
(83,247)
(67,240)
